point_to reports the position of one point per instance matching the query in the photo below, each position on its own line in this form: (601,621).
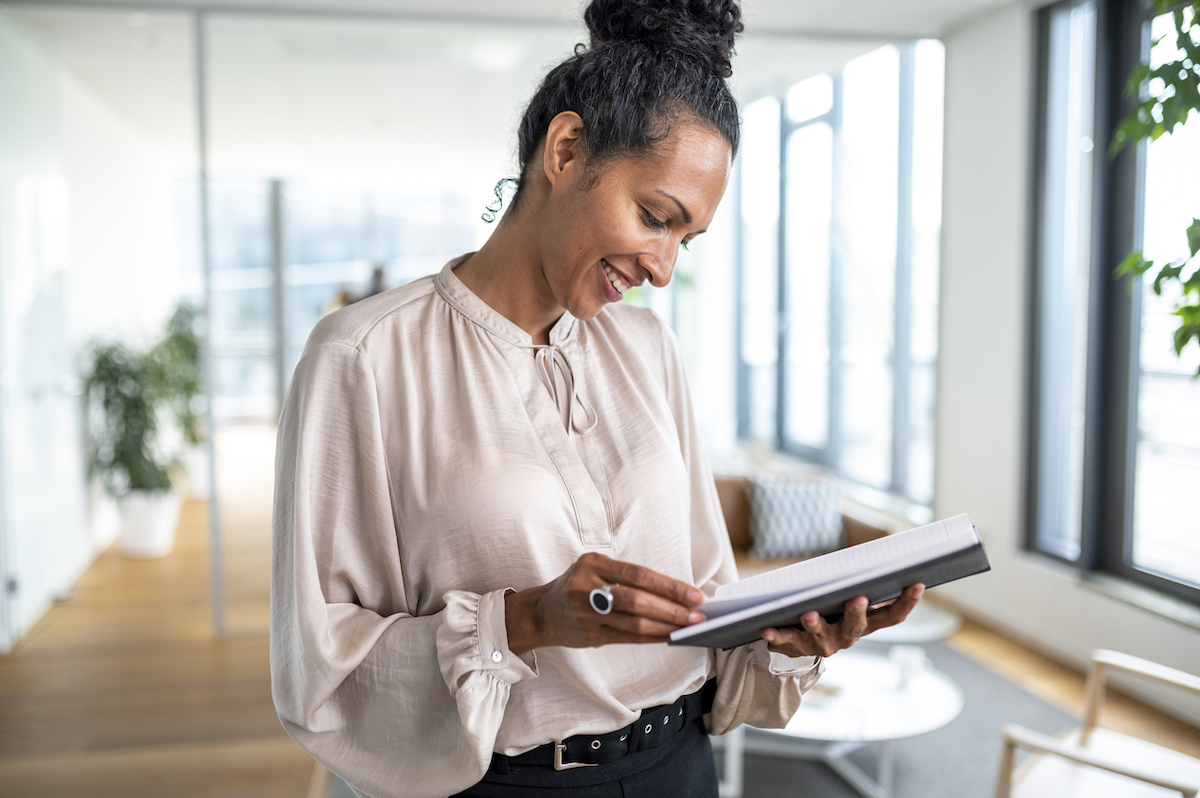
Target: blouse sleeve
(395,704)
(754,684)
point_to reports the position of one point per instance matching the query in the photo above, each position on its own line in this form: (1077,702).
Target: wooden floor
(1058,684)
(126,692)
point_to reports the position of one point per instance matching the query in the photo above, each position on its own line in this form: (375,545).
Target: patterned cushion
(791,516)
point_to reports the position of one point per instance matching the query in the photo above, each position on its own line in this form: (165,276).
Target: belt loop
(499,764)
(700,703)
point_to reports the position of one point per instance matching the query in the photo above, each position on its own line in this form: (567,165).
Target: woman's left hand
(816,637)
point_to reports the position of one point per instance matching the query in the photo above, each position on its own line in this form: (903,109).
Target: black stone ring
(601,599)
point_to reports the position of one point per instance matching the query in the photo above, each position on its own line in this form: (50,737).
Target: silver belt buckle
(559,749)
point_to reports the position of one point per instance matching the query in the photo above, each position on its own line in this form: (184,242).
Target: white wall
(85,250)
(982,378)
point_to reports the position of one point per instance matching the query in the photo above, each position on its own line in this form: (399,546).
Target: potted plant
(124,397)
(177,364)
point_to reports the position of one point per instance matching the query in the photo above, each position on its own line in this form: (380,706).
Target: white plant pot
(195,465)
(148,521)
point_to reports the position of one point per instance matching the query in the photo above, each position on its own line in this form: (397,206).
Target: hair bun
(702,28)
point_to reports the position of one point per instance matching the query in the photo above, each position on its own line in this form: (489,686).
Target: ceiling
(433,86)
(891,18)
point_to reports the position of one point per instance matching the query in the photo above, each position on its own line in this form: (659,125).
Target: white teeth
(614,277)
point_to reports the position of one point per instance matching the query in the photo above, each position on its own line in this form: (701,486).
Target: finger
(638,625)
(605,636)
(897,611)
(791,641)
(854,622)
(825,641)
(627,573)
(634,601)
(814,624)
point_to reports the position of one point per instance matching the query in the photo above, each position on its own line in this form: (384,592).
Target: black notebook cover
(964,562)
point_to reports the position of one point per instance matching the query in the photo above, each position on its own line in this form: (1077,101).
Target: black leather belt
(655,726)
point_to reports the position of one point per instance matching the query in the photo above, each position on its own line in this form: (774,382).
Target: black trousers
(683,767)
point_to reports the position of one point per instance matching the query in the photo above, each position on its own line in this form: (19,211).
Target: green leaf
(1193,236)
(1137,76)
(1185,334)
(1169,272)
(1192,284)
(1134,264)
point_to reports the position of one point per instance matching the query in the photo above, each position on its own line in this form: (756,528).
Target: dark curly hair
(649,62)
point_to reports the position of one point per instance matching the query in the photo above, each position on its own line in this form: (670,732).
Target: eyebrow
(687,215)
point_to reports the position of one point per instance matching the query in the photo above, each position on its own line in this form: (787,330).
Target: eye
(652,222)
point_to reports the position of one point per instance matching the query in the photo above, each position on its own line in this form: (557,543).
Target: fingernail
(695,617)
(860,603)
(696,597)
(769,635)
(810,620)
(920,589)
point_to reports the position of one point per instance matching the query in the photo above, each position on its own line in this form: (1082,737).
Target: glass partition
(345,157)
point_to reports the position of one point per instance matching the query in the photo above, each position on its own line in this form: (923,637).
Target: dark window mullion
(1034,443)
(1112,387)
(1128,41)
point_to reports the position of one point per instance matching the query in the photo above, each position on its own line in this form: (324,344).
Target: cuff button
(497,656)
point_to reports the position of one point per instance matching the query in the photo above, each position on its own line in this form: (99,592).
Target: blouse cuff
(777,664)
(473,637)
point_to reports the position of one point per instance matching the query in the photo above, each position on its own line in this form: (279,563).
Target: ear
(564,146)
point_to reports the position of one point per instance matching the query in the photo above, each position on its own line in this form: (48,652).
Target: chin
(586,310)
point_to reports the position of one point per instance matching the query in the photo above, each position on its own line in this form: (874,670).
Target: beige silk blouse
(430,458)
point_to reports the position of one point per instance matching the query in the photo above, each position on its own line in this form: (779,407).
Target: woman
(464,460)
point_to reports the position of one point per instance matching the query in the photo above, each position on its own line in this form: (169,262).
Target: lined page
(895,551)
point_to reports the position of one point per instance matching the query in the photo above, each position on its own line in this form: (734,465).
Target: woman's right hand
(647,607)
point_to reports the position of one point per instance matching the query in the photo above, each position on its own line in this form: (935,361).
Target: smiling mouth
(619,283)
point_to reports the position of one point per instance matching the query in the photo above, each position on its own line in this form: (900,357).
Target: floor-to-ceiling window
(1115,437)
(840,200)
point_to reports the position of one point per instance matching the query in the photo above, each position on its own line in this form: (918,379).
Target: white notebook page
(896,551)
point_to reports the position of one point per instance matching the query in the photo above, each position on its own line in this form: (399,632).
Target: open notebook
(878,569)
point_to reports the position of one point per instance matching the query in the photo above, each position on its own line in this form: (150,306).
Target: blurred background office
(909,285)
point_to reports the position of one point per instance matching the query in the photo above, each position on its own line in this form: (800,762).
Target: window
(283,250)
(840,200)
(1115,437)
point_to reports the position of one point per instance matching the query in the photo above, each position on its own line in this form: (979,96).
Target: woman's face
(627,227)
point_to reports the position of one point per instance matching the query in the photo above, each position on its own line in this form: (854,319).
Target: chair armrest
(1137,666)
(1104,660)
(1024,738)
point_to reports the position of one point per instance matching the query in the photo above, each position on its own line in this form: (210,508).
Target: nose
(660,263)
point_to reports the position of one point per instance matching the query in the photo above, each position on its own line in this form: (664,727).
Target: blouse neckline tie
(552,363)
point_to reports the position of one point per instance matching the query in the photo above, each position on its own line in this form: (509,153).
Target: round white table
(925,624)
(861,698)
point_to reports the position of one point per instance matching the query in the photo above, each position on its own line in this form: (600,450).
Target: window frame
(901,361)
(1114,323)
(828,454)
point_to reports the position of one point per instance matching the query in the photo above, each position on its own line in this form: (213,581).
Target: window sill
(1143,598)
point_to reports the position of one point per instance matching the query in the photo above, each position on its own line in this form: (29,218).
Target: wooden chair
(1096,762)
